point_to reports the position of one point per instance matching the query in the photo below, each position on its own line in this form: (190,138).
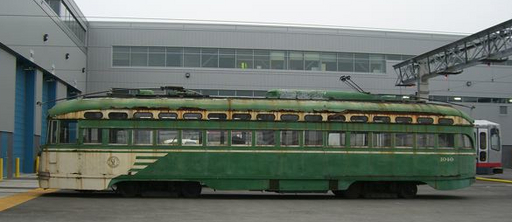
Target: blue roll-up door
(23,144)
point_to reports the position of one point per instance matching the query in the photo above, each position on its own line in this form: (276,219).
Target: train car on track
(353,144)
(488,147)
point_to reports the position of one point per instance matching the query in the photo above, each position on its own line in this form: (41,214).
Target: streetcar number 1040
(446,159)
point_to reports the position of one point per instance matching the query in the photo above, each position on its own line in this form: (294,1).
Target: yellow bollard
(1,169)
(36,168)
(17,173)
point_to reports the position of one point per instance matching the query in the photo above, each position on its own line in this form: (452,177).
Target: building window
(210,58)
(121,56)
(139,56)
(362,62)
(346,62)
(192,57)
(328,62)
(377,63)
(174,57)
(312,61)
(227,58)
(156,56)
(244,58)
(277,60)
(296,61)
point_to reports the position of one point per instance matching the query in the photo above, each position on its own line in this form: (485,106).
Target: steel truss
(490,45)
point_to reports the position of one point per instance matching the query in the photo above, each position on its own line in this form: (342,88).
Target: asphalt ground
(484,201)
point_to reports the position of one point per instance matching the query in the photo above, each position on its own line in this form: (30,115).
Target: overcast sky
(453,16)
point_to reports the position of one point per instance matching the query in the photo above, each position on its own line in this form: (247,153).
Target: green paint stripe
(147,157)
(140,164)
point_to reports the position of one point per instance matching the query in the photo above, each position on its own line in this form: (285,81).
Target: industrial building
(49,51)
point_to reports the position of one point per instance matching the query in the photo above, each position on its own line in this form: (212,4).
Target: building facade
(220,60)
(42,58)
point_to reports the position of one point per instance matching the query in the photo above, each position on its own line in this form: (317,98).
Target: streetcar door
(494,155)
(483,145)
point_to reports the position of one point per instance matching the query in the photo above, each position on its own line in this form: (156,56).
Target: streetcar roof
(247,104)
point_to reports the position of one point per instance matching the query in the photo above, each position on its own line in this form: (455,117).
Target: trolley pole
(17,172)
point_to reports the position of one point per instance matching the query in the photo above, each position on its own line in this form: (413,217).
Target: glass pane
(289,117)
(346,62)
(118,136)
(381,119)
(192,116)
(425,120)
(377,63)
(92,136)
(265,117)
(336,139)
(446,140)
(139,56)
(403,120)
(483,141)
(296,61)
(359,139)
(217,116)
(328,61)
(244,58)
(313,138)
(93,115)
(143,115)
(426,140)
(167,115)
(337,118)
(227,58)
(466,142)
(68,131)
(261,59)
(362,62)
(359,119)
(192,57)
(167,137)
(241,138)
(495,140)
(53,132)
(210,58)
(265,138)
(142,137)
(290,138)
(174,57)
(217,137)
(404,140)
(192,138)
(241,116)
(312,61)
(156,56)
(381,140)
(277,60)
(313,118)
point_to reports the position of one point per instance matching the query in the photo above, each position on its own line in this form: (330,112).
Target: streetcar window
(68,131)
(92,136)
(192,138)
(265,138)
(483,156)
(142,137)
(446,140)
(425,120)
(192,116)
(241,116)
(289,117)
(381,140)
(445,121)
(241,138)
(495,139)
(143,115)
(266,117)
(402,119)
(483,141)
(290,138)
(118,136)
(167,137)
(336,118)
(336,139)
(168,116)
(93,115)
(313,118)
(217,116)
(381,119)
(404,140)
(217,137)
(359,119)
(53,132)
(465,142)
(426,140)
(117,115)
(313,138)
(359,139)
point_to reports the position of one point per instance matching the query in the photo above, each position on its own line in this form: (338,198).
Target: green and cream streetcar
(352,144)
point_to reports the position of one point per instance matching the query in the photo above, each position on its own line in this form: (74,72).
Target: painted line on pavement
(17,199)
(494,180)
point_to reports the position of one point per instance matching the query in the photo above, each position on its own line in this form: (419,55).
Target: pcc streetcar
(353,144)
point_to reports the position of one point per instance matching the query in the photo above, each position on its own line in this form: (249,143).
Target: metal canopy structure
(490,45)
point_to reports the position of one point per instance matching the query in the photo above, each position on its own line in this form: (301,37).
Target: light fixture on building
(83,70)
(457,98)
(469,83)
(67,56)
(187,75)
(510,100)
(406,97)
(45,37)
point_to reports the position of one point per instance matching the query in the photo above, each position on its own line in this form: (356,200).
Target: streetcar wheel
(128,189)
(191,189)
(407,190)
(338,193)
(353,191)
